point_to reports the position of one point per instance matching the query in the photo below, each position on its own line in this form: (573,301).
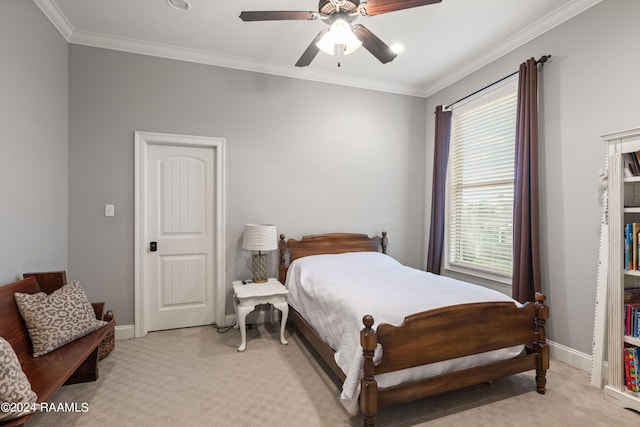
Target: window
(479,218)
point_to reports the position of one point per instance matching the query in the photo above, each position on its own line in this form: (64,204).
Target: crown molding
(529,33)
(75,36)
(57,18)
(203,57)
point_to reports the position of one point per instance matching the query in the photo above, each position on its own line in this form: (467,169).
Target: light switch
(109,210)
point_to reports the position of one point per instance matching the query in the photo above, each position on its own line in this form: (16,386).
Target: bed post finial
(282,247)
(541,347)
(368,385)
(384,242)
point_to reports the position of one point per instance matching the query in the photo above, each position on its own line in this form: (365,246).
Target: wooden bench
(72,363)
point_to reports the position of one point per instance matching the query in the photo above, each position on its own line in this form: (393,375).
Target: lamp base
(259,268)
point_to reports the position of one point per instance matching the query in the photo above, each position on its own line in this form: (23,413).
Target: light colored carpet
(196,377)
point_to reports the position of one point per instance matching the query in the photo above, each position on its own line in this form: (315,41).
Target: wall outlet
(109,210)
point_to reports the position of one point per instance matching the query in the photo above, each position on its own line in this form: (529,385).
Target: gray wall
(308,157)
(589,89)
(33,146)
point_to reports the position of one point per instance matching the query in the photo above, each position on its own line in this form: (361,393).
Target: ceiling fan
(341,36)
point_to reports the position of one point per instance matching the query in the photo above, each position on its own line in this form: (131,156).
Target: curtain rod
(542,60)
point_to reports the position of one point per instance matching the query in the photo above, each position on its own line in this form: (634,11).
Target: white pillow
(15,387)
(328,266)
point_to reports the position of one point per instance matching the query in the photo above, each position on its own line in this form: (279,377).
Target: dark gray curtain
(526,228)
(440,159)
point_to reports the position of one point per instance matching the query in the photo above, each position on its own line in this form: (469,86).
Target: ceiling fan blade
(378,7)
(278,16)
(373,44)
(311,52)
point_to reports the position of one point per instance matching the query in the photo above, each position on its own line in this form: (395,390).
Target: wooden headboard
(332,243)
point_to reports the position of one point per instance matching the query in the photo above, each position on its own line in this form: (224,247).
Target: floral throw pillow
(58,318)
(15,389)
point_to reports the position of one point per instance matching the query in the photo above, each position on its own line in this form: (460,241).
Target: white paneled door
(180,229)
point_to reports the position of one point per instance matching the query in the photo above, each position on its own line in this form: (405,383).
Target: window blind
(481,179)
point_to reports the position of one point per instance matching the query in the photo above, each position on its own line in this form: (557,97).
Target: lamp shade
(260,237)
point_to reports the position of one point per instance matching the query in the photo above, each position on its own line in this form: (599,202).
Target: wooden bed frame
(447,332)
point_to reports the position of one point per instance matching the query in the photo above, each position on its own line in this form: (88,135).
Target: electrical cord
(222,329)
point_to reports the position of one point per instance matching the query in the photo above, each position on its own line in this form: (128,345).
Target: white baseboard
(571,357)
(125,332)
(230,320)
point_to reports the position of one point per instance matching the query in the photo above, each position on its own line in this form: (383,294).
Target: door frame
(142,141)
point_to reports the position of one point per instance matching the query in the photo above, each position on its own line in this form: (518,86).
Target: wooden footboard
(448,333)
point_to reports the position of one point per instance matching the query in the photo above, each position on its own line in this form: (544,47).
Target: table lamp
(260,237)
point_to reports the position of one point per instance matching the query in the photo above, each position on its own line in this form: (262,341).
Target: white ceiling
(443,42)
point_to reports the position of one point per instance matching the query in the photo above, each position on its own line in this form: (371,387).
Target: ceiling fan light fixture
(327,44)
(340,33)
(341,30)
(351,44)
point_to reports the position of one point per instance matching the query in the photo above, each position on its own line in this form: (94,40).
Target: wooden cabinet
(624,208)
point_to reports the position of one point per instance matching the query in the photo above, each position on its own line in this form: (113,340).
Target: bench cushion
(58,318)
(15,388)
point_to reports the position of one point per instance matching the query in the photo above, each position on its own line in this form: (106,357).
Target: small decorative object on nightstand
(247,296)
(260,237)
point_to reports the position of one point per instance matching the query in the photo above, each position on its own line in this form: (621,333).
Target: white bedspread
(334,292)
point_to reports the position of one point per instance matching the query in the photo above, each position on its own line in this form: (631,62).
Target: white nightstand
(246,297)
